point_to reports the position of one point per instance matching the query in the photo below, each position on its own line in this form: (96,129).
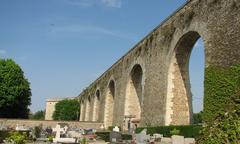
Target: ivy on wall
(226,126)
(220,84)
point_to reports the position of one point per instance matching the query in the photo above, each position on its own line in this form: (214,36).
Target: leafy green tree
(15,92)
(67,109)
(39,115)
(197,118)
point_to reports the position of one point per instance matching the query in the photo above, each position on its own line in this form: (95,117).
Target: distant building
(50,107)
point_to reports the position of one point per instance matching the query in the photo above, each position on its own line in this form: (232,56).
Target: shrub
(37,131)
(175,132)
(17,138)
(104,136)
(126,137)
(186,130)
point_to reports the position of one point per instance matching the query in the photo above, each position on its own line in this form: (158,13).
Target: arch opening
(134,95)
(179,102)
(109,104)
(96,105)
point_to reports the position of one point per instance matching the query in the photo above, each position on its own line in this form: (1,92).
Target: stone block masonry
(12,123)
(150,83)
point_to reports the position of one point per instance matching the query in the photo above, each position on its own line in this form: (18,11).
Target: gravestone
(142,138)
(58,138)
(21,128)
(177,139)
(166,140)
(189,141)
(115,137)
(157,137)
(58,131)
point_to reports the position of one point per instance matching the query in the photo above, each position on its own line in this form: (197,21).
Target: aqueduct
(151,82)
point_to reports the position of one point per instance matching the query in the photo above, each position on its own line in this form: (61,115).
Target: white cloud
(112,3)
(3,51)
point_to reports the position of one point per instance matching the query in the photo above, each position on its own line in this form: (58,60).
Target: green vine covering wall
(225,129)
(220,84)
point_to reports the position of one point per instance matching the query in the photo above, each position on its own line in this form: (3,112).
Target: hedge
(185,130)
(105,136)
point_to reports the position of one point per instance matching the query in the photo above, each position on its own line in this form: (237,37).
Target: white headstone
(177,139)
(116,129)
(65,129)
(58,131)
(189,141)
(21,128)
(142,138)
(166,140)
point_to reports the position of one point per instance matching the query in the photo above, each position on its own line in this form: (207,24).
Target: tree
(197,118)
(67,109)
(15,92)
(39,115)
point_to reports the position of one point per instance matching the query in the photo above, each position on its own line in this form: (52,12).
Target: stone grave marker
(166,140)
(177,139)
(189,141)
(115,137)
(58,138)
(157,137)
(58,131)
(142,138)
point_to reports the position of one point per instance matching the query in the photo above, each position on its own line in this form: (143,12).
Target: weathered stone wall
(163,56)
(50,108)
(12,123)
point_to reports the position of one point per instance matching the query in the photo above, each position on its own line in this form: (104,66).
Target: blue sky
(64,45)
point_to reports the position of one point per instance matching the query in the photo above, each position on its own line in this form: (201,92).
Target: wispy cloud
(3,51)
(88,3)
(92,30)
(83,3)
(112,3)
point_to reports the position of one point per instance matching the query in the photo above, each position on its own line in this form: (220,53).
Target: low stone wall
(11,123)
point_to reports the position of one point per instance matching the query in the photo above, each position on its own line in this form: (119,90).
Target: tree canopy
(39,115)
(15,92)
(67,109)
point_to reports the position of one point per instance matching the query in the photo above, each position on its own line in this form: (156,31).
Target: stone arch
(134,92)
(87,111)
(96,105)
(179,109)
(109,104)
